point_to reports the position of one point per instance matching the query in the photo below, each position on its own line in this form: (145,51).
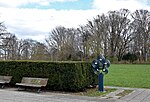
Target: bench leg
(3,86)
(19,88)
(39,90)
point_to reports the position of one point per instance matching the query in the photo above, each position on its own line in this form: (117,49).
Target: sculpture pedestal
(101,82)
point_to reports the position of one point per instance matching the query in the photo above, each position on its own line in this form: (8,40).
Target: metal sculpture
(100,66)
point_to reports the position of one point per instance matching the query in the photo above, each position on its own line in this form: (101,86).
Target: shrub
(130,57)
(67,76)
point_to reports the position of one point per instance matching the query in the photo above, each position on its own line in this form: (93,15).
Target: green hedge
(67,76)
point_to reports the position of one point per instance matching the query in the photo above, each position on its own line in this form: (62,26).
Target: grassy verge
(124,93)
(93,92)
(127,75)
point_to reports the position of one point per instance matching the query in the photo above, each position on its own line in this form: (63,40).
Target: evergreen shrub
(66,76)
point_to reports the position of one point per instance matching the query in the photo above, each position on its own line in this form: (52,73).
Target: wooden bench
(5,80)
(29,82)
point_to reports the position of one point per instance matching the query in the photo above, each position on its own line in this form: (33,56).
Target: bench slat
(36,81)
(29,85)
(33,82)
(5,80)
(2,82)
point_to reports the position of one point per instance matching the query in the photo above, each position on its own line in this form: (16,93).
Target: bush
(67,76)
(130,57)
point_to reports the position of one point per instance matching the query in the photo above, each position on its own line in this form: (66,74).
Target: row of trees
(114,34)
(11,48)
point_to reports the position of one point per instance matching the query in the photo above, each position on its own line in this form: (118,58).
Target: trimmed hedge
(67,76)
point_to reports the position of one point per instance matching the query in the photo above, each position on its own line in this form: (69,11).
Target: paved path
(138,95)
(21,96)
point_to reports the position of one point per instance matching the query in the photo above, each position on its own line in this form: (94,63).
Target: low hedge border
(66,76)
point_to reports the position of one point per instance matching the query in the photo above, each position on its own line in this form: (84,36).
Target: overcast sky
(36,18)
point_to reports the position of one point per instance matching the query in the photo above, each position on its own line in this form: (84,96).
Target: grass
(128,75)
(93,92)
(124,93)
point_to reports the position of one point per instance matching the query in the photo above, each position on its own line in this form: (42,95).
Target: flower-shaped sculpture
(100,66)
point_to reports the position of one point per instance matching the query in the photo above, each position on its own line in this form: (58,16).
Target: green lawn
(124,75)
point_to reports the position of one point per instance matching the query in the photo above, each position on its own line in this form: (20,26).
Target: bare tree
(141,26)
(119,31)
(2,36)
(29,49)
(8,46)
(103,21)
(39,52)
(84,37)
(64,41)
(96,35)
(56,41)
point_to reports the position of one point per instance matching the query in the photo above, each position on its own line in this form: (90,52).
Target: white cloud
(12,3)
(16,3)
(37,23)
(62,0)
(106,5)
